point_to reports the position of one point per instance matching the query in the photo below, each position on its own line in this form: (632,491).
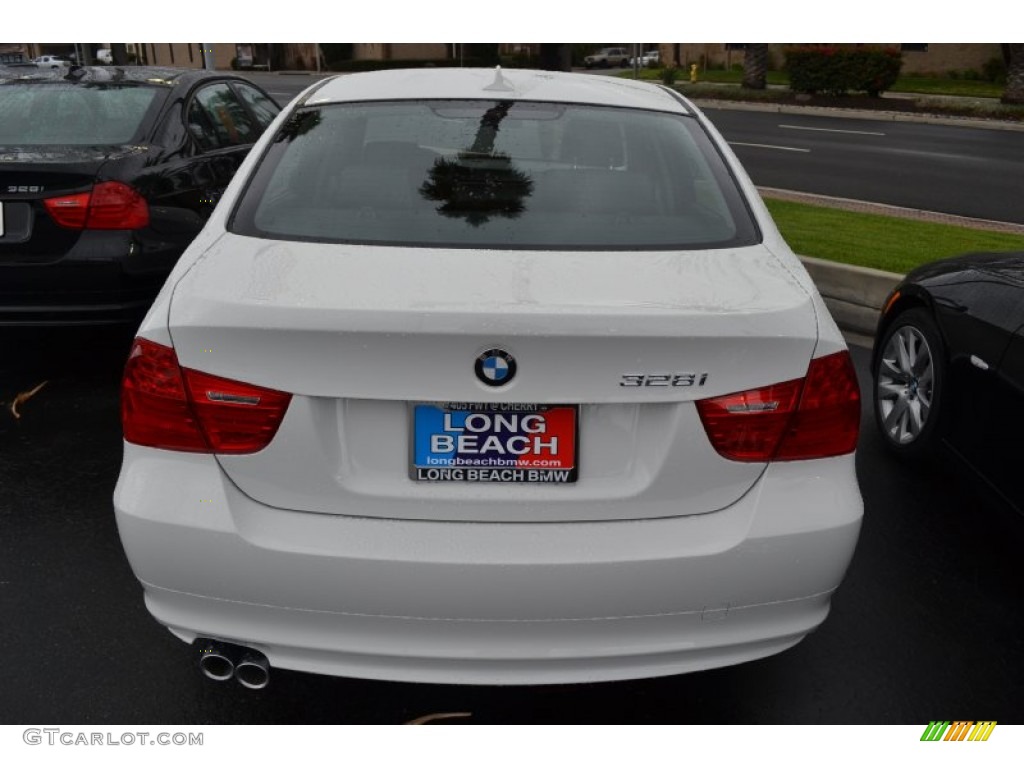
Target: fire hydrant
(693,73)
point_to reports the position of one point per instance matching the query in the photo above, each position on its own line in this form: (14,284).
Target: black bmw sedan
(106,175)
(948,366)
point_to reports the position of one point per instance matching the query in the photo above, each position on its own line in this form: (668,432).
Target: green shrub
(972,74)
(484,54)
(953,74)
(874,70)
(816,70)
(335,54)
(835,71)
(994,70)
(521,60)
(668,75)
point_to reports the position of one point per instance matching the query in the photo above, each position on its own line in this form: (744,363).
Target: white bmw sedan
(488,377)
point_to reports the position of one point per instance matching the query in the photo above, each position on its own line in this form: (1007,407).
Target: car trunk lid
(360,335)
(28,177)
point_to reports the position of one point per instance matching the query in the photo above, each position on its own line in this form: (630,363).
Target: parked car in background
(106,175)
(648,59)
(607,57)
(948,366)
(50,62)
(488,377)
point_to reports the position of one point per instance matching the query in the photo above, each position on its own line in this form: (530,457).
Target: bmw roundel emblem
(495,367)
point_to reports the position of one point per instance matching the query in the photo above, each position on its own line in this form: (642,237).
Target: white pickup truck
(607,57)
(50,62)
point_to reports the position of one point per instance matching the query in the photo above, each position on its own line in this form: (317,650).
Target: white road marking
(831,130)
(766,146)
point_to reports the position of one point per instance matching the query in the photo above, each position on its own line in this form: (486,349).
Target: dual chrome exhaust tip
(222,661)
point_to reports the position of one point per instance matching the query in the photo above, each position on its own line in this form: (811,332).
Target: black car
(106,175)
(948,366)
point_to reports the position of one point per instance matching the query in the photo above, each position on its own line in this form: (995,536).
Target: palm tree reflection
(299,124)
(479,183)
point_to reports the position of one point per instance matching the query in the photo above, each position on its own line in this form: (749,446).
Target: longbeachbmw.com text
(61,737)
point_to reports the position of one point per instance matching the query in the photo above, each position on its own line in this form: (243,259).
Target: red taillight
(166,406)
(747,426)
(828,419)
(69,211)
(235,417)
(117,206)
(110,205)
(808,418)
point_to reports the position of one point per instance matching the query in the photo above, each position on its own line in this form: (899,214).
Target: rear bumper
(76,310)
(107,277)
(488,602)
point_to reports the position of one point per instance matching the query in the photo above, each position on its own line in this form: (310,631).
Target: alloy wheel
(906,382)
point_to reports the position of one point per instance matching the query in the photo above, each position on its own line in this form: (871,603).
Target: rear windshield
(33,114)
(494,174)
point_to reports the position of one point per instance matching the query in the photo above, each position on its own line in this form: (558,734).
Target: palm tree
(119,54)
(556,57)
(479,183)
(755,66)
(1014,93)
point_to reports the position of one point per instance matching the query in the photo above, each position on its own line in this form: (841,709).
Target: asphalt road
(949,169)
(929,623)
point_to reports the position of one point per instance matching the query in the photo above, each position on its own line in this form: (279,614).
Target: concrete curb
(854,295)
(992,124)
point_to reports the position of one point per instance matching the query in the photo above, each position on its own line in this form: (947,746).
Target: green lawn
(943,86)
(734,76)
(882,242)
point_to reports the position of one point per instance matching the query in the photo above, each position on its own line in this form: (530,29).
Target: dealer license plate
(494,443)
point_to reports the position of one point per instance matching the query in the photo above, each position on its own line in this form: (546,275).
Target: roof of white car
(498,83)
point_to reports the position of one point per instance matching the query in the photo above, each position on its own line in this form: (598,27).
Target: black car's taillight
(109,205)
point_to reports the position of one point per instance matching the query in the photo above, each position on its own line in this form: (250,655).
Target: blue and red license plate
(495,443)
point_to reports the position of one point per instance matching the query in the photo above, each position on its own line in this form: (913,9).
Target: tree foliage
(835,71)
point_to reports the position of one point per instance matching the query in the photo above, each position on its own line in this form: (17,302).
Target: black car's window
(495,174)
(200,127)
(262,107)
(33,114)
(227,122)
